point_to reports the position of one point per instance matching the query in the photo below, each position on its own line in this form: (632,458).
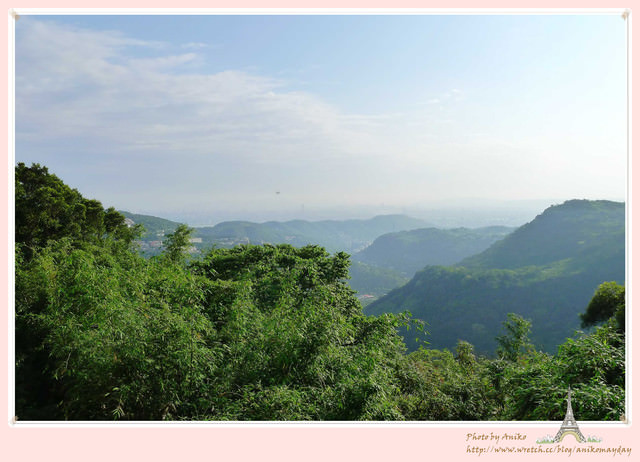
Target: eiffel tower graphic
(569,425)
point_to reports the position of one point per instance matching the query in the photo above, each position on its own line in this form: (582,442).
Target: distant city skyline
(176,115)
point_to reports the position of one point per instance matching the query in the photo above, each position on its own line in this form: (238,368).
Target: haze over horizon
(447,215)
(296,116)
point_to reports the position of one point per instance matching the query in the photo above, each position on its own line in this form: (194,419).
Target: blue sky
(174,114)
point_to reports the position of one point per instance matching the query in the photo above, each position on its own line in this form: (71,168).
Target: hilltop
(545,271)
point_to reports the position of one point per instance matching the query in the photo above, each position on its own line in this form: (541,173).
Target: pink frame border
(311,442)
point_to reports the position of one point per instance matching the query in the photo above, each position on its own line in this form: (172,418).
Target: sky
(240,116)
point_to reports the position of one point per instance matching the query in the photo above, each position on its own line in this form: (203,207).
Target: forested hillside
(546,271)
(574,229)
(410,251)
(269,332)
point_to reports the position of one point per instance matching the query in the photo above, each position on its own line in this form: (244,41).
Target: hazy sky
(170,114)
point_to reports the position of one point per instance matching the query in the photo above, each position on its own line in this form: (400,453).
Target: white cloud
(80,83)
(146,117)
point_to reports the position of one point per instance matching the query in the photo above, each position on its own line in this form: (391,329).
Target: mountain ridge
(335,235)
(412,250)
(549,281)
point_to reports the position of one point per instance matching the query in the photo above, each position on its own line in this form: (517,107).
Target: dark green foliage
(574,228)
(607,302)
(577,252)
(47,210)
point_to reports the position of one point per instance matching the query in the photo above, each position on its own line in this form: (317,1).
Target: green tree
(592,364)
(441,385)
(516,340)
(46,210)
(297,344)
(269,332)
(177,244)
(608,302)
(121,337)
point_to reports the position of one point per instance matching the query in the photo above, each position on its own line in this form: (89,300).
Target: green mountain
(546,271)
(334,235)
(156,229)
(577,227)
(154,226)
(410,251)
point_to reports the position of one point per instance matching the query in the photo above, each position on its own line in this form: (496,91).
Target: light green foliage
(440,385)
(298,344)
(249,333)
(532,385)
(126,337)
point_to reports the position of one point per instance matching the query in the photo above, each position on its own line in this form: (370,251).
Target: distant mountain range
(397,252)
(546,271)
(334,235)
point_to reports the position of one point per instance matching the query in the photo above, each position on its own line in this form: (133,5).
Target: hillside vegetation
(546,271)
(410,251)
(574,229)
(269,332)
